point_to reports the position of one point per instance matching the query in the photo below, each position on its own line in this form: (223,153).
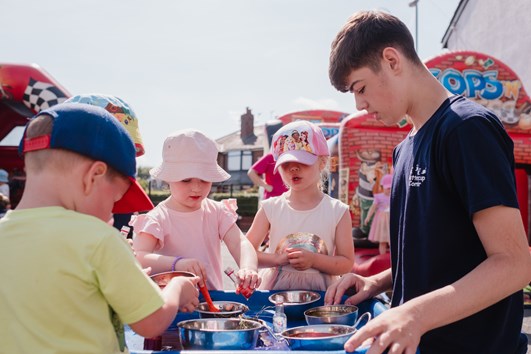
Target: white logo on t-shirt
(417,176)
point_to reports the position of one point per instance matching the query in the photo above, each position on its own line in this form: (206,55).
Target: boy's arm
(181,293)
(506,270)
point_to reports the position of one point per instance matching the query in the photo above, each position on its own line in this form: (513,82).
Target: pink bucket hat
(386,181)
(189,154)
(300,141)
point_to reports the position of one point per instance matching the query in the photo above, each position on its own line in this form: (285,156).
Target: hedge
(247,202)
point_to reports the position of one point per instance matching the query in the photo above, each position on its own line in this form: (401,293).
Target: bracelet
(177,259)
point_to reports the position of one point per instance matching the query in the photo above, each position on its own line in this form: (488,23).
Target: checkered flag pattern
(41,95)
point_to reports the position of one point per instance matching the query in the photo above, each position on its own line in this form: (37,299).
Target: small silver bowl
(227,309)
(295,301)
(332,314)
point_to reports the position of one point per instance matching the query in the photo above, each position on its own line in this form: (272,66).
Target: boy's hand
(188,293)
(336,290)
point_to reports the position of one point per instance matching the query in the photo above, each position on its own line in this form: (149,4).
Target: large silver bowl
(332,314)
(295,302)
(227,309)
(219,333)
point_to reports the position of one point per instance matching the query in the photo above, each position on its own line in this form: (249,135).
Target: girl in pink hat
(379,231)
(310,242)
(185,231)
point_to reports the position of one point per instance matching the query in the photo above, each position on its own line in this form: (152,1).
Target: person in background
(122,111)
(379,231)
(5,205)
(185,231)
(4,183)
(271,181)
(458,246)
(310,232)
(65,262)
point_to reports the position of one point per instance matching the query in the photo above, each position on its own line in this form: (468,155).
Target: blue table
(256,304)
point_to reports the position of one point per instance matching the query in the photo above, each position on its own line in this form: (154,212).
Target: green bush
(247,202)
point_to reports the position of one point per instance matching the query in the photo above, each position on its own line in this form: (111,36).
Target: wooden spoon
(206,295)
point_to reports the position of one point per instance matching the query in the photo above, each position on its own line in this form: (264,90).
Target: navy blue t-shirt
(460,162)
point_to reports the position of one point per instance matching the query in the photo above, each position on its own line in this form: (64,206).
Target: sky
(199,63)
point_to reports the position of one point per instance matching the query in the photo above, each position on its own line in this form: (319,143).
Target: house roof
(234,141)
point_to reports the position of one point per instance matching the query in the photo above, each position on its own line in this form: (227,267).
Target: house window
(239,160)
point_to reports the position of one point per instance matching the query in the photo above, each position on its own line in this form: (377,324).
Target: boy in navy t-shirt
(458,246)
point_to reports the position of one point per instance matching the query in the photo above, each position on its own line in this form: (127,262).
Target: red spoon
(206,295)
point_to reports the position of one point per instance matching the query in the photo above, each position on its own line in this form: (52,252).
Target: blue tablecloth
(256,304)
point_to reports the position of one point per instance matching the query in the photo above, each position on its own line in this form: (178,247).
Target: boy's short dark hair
(361,41)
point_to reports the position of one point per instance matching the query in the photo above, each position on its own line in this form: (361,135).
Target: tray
(259,306)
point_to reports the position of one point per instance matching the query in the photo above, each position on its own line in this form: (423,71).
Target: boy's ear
(392,59)
(95,171)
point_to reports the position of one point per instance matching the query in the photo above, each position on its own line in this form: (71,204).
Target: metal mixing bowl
(318,337)
(295,301)
(227,309)
(162,279)
(332,314)
(219,333)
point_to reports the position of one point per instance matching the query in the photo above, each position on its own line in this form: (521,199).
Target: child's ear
(96,171)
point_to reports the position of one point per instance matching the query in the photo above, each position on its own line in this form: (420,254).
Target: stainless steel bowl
(162,279)
(332,314)
(219,333)
(295,301)
(227,309)
(318,337)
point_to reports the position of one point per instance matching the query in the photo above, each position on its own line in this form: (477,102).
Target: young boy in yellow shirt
(69,279)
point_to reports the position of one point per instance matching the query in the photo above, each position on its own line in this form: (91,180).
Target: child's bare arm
(180,293)
(256,234)
(144,245)
(338,264)
(244,254)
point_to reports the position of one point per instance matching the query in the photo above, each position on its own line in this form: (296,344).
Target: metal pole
(415,3)
(417,26)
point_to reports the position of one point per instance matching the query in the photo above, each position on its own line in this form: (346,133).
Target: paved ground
(228,285)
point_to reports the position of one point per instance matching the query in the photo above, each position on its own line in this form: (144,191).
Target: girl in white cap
(310,241)
(185,231)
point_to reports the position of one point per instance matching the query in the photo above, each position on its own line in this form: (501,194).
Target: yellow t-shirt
(63,275)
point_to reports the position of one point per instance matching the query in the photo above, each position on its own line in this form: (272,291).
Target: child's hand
(282,258)
(188,293)
(194,266)
(299,258)
(248,279)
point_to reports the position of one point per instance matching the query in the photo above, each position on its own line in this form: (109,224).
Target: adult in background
(271,181)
